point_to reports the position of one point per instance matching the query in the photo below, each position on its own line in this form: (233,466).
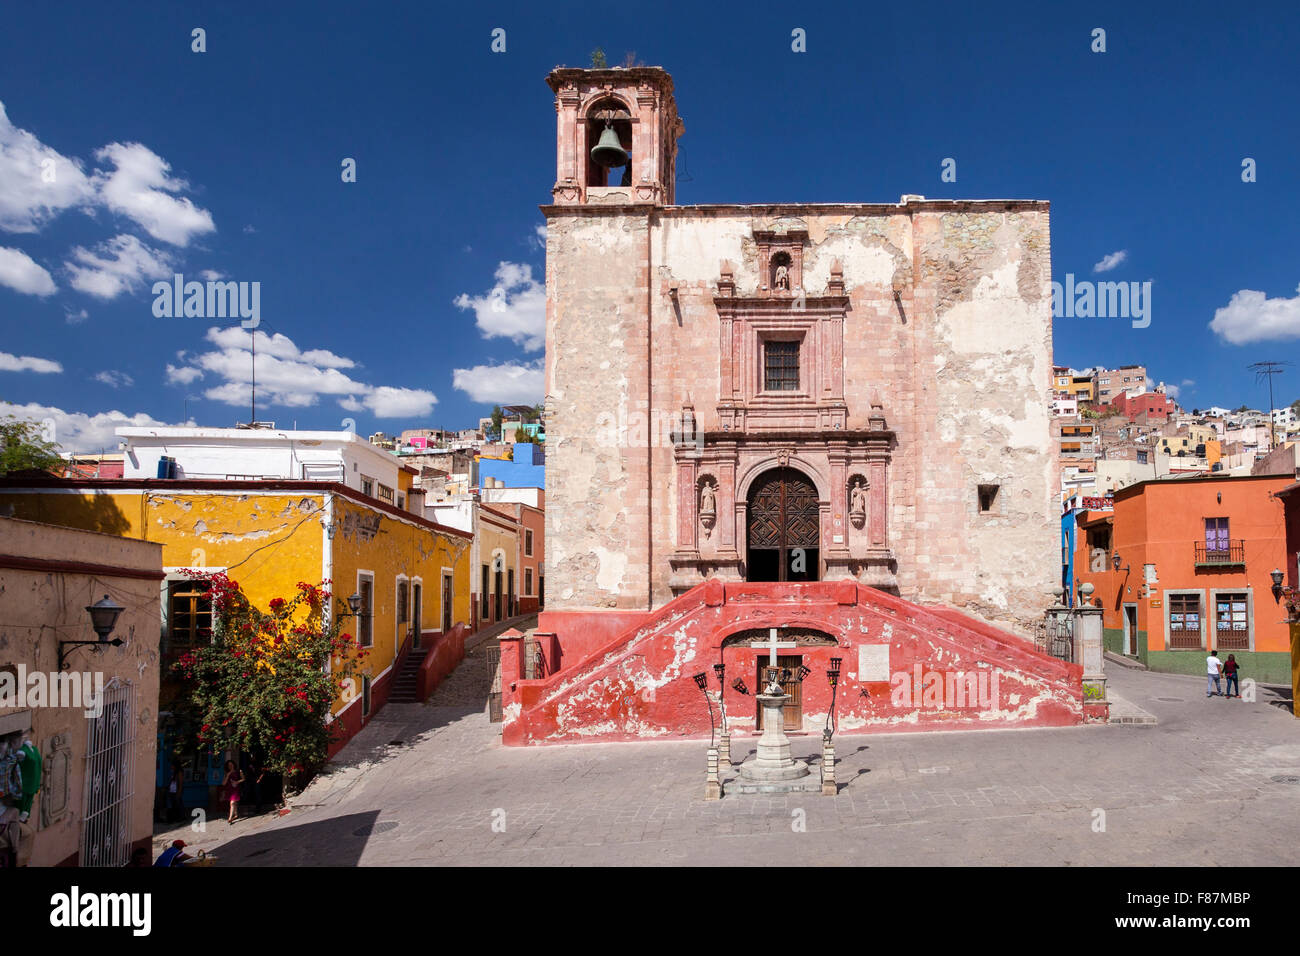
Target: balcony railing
(1219,556)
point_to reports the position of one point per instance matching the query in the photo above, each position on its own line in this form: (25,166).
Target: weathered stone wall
(959,361)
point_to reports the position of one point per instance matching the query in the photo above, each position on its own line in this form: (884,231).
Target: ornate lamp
(103,618)
(738,685)
(702,682)
(833,677)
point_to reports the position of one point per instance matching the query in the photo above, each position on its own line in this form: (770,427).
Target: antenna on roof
(1268,370)
(253,336)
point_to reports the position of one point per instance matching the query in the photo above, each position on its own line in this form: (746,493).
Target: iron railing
(1219,556)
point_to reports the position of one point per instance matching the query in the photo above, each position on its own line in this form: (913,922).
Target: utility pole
(1268,370)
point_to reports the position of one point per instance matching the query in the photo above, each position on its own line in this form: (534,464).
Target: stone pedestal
(724,751)
(772,769)
(1089,651)
(712,783)
(829,788)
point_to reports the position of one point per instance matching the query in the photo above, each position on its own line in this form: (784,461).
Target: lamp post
(103,618)
(724,749)
(702,682)
(833,676)
(712,783)
(829,787)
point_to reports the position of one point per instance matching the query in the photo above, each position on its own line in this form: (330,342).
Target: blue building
(528,470)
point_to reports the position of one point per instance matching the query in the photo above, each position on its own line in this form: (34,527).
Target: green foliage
(598,61)
(521,435)
(262,683)
(23,449)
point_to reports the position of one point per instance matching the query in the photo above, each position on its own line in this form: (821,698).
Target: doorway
(793,686)
(1131,630)
(446,602)
(783,528)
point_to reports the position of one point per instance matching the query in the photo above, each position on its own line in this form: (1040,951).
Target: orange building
(1183,566)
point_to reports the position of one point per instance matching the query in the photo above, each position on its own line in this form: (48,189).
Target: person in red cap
(174,855)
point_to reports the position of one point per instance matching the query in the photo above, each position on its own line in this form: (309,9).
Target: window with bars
(1184,621)
(781,366)
(403,601)
(1231,621)
(528,543)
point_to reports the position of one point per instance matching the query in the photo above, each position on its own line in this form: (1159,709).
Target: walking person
(232,782)
(176,795)
(1232,671)
(1213,666)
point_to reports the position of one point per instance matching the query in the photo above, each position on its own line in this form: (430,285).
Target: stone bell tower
(637,104)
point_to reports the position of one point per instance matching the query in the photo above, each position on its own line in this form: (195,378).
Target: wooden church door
(784,528)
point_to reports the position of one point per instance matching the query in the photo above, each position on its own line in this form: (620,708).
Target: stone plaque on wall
(873,663)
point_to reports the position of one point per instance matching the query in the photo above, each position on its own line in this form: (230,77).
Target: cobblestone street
(432,785)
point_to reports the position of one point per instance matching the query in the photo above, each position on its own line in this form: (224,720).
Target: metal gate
(493,654)
(1056,636)
(110,775)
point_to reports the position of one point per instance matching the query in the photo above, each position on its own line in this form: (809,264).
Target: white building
(246,453)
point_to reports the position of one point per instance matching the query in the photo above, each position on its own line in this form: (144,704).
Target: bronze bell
(609,152)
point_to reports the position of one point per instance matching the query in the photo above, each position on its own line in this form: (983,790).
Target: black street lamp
(738,685)
(103,618)
(833,676)
(702,682)
(720,671)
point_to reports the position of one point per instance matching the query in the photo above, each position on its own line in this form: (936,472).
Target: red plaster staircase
(639,685)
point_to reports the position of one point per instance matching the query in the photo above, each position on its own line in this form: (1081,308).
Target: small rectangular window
(365,632)
(189,616)
(528,543)
(528,582)
(403,610)
(386,493)
(781,366)
(367,486)
(988,499)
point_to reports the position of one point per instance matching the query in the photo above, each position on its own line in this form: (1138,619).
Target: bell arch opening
(609,144)
(783,528)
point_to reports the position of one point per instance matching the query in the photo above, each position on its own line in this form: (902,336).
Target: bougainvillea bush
(267,680)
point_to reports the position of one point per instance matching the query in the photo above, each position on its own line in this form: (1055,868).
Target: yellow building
(412,575)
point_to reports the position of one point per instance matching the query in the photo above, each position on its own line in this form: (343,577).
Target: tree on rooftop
(598,61)
(23,447)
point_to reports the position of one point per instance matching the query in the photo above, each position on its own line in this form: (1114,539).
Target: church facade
(787,392)
(809,436)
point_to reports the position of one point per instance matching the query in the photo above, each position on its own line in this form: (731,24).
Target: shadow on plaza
(338,841)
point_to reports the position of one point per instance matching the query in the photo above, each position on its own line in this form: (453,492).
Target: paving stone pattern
(998,798)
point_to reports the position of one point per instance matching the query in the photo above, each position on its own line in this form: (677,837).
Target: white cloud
(119,265)
(508,384)
(249,230)
(140,188)
(291,377)
(212,275)
(514,308)
(1188,382)
(1112,261)
(384,401)
(538,238)
(28,363)
(182,376)
(1173,391)
(75,318)
(78,432)
(22,274)
(1251,316)
(115,379)
(36,182)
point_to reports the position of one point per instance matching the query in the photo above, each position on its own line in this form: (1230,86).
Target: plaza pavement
(1215,782)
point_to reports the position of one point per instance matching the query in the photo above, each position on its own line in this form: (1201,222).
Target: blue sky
(228,162)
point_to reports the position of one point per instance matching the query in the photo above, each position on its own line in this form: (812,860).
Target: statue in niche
(782,278)
(708,506)
(858,503)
